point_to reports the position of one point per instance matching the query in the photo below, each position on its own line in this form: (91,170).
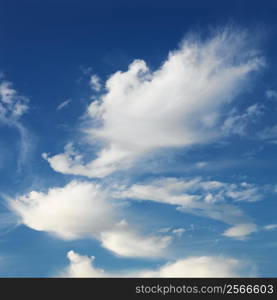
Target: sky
(138,139)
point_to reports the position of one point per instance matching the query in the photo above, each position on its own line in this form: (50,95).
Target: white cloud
(63,104)
(95,83)
(79,209)
(126,242)
(270,227)
(202,266)
(240,231)
(81,266)
(197,196)
(12,107)
(83,210)
(178,105)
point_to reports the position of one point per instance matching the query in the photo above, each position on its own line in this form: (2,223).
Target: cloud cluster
(178,105)
(200,197)
(202,266)
(84,210)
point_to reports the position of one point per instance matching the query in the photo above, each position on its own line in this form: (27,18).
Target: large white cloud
(178,105)
(195,266)
(84,210)
(79,209)
(200,197)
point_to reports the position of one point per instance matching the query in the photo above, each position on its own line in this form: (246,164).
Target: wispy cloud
(12,107)
(211,199)
(63,104)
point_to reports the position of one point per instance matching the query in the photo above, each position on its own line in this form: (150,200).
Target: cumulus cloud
(197,196)
(201,266)
(79,209)
(84,210)
(178,105)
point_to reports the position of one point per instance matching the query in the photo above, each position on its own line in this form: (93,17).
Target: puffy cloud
(84,210)
(79,209)
(12,107)
(178,105)
(81,266)
(200,197)
(240,231)
(202,266)
(238,123)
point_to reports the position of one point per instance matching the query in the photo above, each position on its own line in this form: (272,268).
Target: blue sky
(141,134)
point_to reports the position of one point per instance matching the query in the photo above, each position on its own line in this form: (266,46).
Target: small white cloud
(270,227)
(77,210)
(271,94)
(195,266)
(126,242)
(238,123)
(179,231)
(63,104)
(240,231)
(12,105)
(95,83)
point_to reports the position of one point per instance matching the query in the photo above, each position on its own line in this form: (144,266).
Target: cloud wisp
(84,210)
(206,198)
(12,107)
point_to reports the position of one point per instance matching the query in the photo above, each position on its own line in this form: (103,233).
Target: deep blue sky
(45,48)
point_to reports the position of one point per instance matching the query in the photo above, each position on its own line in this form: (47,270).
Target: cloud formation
(84,210)
(200,197)
(181,104)
(12,107)
(195,266)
